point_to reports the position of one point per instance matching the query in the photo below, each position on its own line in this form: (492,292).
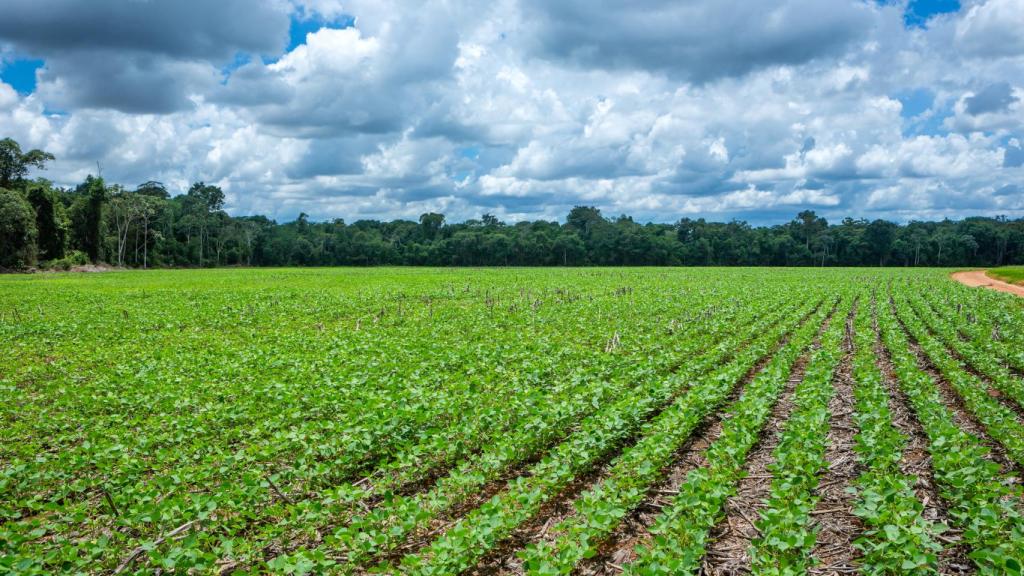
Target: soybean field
(586,421)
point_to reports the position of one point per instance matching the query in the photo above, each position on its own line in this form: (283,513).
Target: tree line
(42,225)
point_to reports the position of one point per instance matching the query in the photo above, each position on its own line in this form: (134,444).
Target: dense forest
(45,226)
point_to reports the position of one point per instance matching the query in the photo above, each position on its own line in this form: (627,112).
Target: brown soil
(503,559)
(917,462)
(728,551)
(834,511)
(620,547)
(976,278)
(962,416)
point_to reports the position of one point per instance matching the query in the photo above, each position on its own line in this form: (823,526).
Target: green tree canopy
(17,231)
(51,223)
(15,164)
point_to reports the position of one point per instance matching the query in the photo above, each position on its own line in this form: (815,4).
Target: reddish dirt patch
(976,278)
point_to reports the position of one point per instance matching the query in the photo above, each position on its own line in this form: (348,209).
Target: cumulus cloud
(1013,157)
(992,29)
(994,98)
(995,108)
(136,83)
(524,108)
(141,56)
(695,40)
(8,97)
(175,28)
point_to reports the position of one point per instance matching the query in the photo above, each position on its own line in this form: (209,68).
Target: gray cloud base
(525,108)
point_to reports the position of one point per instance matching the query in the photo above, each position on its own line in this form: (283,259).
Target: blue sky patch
(470,152)
(21,74)
(241,59)
(928,123)
(915,102)
(920,117)
(302,26)
(920,11)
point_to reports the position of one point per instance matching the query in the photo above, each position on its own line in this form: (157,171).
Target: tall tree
(212,197)
(50,221)
(880,236)
(201,203)
(584,219)
(810,225)
(87,216)
(17,231)
(15,164)
(124,209)
(150,209)
(153,189)
(431,224)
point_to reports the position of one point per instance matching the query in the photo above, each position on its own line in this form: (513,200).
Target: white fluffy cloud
(992,29)
(523,109)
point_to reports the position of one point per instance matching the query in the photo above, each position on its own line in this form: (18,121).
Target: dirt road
(979,278)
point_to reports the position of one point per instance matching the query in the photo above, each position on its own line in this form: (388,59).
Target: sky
(384,109)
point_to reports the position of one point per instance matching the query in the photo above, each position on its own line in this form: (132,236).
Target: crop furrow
(899,537)
(681,531)
(982,501)
(599,511)
(463,543)
(729,539)
(979,360)
(619,546)
(786,534)
(391,498)
(999,422)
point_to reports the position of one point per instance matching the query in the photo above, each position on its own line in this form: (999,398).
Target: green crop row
(422,421)
(786,536)
(986,319)
(898,539)
(982,502)
(206,447)
(680,533)
(601,509)
(999,421)
(979,353)
(464,542)
(364,535)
